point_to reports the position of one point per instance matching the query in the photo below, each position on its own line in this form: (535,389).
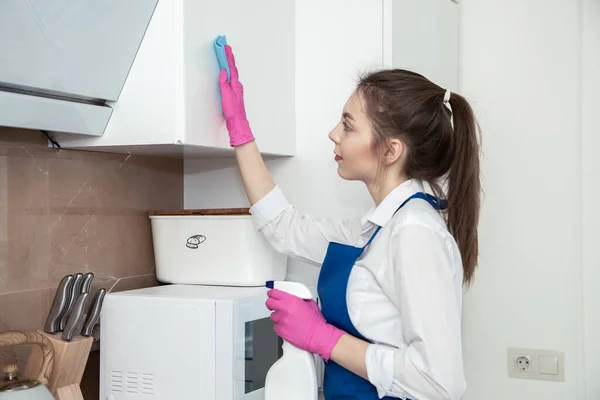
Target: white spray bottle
(294,375)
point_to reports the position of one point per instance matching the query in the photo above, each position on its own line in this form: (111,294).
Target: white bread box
(213,247)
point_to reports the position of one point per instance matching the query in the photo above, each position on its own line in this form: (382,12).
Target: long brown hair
(405,105)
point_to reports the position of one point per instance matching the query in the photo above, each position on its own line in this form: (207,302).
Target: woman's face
(353,138)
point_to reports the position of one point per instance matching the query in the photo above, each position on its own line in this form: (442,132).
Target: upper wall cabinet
(422,36)
(167,99)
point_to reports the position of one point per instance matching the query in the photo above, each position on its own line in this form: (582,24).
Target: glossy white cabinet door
(171,103)
(81,48)
(262,35)
(422,36)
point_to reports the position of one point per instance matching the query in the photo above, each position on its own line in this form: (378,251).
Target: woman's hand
(232,102)
(301,323)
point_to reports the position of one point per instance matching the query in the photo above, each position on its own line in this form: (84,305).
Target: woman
(391,284)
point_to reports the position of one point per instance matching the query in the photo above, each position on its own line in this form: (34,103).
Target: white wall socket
(523,363)
(537,364)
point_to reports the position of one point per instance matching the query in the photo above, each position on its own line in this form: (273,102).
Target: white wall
(521,68)
(334,43)
(591,193)
(520,65)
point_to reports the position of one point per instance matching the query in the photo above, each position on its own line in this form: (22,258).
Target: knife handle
(77,285)
(59,304)
(75,317)
(86,285)
(93,313)
(74,293)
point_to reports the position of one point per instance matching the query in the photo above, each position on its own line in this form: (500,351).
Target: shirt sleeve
(431,366)
(295,234)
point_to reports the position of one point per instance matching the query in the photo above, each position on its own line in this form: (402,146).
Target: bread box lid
(202,211)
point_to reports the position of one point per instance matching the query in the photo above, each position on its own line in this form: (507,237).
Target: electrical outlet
(535,364)
(523,363)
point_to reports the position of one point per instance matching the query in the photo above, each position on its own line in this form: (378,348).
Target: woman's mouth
(337,158)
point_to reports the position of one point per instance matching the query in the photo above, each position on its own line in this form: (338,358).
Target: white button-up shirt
(404,292)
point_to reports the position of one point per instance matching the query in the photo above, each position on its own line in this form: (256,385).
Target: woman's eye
(346,126)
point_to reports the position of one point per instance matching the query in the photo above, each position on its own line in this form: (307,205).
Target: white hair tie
(449,106)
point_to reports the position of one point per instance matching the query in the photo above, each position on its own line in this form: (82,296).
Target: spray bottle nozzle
(296,288)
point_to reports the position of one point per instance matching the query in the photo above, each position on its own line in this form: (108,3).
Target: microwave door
(263,348)
(256,348)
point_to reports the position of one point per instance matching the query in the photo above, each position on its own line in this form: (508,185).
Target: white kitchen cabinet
(170,103)
(422,36)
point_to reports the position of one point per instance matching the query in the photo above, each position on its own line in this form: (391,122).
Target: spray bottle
(294,375)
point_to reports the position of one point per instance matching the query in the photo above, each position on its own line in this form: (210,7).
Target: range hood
(61,61)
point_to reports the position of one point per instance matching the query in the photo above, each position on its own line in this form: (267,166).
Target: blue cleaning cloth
(220,43)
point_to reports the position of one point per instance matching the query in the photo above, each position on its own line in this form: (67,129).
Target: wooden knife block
(70,359)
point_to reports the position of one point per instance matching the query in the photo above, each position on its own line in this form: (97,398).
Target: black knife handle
(86,285)
(77,285)
(59,304)
(74,293)
(75,317)
(93,313)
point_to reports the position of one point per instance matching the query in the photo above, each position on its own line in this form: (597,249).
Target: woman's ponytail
(464,185)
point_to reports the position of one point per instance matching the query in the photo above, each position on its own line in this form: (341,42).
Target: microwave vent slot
(132,382)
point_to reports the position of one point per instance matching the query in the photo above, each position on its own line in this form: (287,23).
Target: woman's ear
(394,152)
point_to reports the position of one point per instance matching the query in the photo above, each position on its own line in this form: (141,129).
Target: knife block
(70,359)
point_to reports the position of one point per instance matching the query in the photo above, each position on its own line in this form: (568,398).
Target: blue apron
(338,382)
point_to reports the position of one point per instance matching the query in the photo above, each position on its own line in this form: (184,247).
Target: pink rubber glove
(232,101)
(301,323)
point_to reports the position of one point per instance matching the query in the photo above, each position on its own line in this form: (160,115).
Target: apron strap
(437,203)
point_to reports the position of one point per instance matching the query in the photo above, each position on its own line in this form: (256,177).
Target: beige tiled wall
(72,211)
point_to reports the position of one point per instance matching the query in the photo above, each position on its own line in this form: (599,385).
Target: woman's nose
(334,135)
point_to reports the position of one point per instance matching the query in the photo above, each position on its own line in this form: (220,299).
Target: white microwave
(186,342)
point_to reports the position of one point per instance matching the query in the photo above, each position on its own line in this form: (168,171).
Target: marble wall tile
(63,212)
(73,211)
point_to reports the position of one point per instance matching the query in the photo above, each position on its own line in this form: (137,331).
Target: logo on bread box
(194,241)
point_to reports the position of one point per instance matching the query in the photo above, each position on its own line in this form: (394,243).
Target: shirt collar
(381,214)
